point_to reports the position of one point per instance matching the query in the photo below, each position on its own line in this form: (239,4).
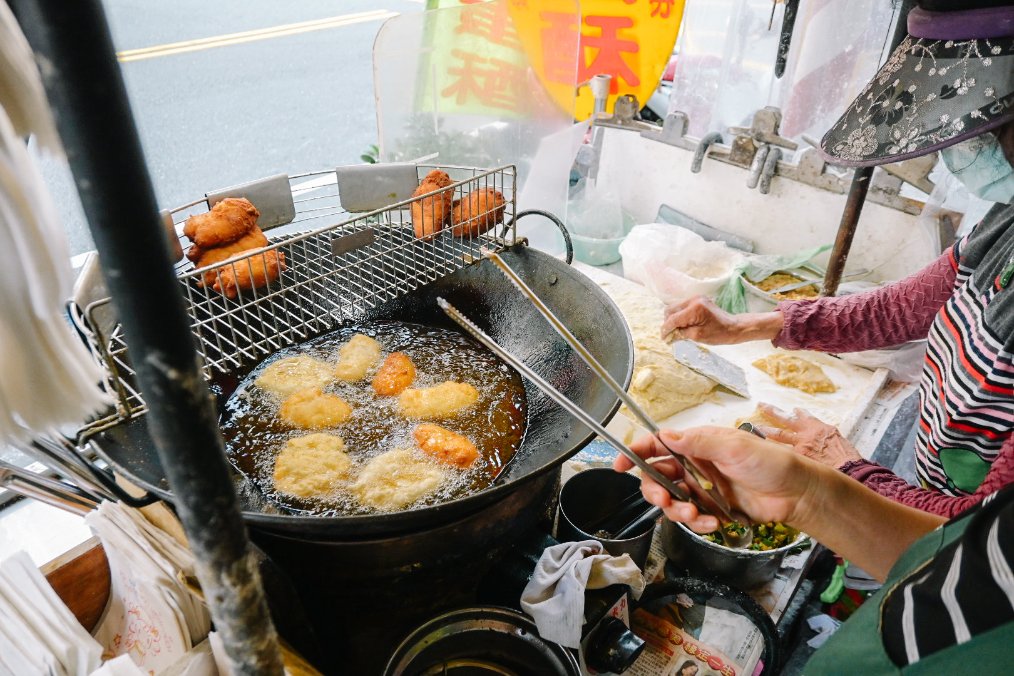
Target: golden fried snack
(311,466)
(227,221)
(249,273)
(790,371)
(356,358)
(477,212)
(251,240)
(396,479)
(441,401)
(314,409)
(445,446)
(395,374)
(430,214)
(292,374)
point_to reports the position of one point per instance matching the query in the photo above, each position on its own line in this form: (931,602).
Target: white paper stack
(38,633)
(151,615)
(48,379)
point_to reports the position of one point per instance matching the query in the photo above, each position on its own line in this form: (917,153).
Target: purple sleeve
(887,316)
(883,481)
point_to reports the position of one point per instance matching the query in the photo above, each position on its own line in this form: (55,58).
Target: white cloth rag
(554,597)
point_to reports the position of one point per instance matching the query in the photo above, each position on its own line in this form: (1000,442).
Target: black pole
(83,81)
(859,187)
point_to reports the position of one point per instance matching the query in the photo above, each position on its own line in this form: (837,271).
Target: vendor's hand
(701,320)
(763,478)
(808,435)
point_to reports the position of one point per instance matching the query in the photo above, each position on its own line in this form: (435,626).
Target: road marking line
(283,30)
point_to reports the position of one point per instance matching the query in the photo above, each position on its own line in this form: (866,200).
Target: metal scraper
(708,364)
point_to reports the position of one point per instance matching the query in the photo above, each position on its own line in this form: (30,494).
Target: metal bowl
(481,640)
(740,568)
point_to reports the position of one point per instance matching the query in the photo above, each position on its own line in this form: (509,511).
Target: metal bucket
(740,568)
(476,641)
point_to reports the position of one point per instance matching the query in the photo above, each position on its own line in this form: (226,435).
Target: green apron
(857,648)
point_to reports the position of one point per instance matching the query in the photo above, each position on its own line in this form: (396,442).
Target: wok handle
(65,458)
(567,242)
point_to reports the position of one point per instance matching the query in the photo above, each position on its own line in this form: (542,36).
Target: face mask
(980,165)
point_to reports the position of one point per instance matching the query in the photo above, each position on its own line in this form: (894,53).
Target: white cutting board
(857,386)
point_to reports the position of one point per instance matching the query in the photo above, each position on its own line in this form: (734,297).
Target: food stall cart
(344,253)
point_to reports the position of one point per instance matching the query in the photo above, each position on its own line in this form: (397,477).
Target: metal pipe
(847,229)
(702,149)
(859,187)
(85,86)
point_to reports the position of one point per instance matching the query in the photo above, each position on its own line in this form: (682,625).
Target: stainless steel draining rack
(338,265)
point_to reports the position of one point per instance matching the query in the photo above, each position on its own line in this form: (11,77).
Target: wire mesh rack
(324,267)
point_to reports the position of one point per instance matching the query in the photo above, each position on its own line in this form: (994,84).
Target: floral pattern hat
(950,79)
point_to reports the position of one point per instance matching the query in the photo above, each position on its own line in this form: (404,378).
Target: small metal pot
(740,568)
(481,640)
(593,494)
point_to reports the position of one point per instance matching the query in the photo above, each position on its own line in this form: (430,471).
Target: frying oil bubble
(495,424)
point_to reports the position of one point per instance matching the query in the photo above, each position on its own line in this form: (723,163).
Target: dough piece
(356,358)
(311,466)
(660,385)
(395,374)
(445,446)
(430,213)
(441,401)
(477,212)
(202,258)
(292,374)
(791,371)
(396,479)
(249,273)
(313,409)
(226,222)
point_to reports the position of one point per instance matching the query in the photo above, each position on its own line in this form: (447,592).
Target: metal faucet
(702,150)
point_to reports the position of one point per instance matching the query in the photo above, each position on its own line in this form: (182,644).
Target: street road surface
(235,90)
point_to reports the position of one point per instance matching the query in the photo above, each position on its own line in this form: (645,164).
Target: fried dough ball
(227,221)
(477,212)
(310,466)
(430,214)
(314,409)
(356,358)
(292,374)
(249,273)
(395,479)
(254,239)
(441,401)
(445,446)
(395,374)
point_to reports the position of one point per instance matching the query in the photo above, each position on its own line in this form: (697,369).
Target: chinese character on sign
(662,8)
(610,50)
(605,47)
(557,62)
(492,82)
(491,22)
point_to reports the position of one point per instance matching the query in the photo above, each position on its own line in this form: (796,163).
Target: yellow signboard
(631,40)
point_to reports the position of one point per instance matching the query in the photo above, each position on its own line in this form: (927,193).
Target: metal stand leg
(84,84)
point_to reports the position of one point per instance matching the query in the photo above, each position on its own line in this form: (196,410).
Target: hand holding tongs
(721,507)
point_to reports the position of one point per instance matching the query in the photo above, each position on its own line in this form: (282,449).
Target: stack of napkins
(38,633)
(152,616)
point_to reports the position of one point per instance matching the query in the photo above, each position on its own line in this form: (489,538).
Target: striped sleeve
(965,590)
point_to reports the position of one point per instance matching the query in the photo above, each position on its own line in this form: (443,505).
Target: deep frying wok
(486,296)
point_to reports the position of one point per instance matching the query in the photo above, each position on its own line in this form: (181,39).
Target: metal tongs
(733,537)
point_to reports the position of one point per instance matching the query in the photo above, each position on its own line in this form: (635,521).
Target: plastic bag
(732,296)
(905,361)
(595,211)
(676,264)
